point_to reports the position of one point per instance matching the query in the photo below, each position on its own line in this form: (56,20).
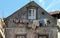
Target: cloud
(53,3)
(42,2)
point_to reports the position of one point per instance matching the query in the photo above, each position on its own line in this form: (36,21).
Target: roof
(32,3)
(54,13)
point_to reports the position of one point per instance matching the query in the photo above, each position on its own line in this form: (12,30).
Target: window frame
(33,14)
(21,35)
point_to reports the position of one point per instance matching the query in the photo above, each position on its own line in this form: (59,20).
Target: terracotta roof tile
(55,12)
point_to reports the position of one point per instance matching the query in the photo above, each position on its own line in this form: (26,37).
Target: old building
(56,14)
(31,21)
(2,25)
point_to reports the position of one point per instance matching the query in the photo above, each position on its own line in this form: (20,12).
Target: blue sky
(7,7)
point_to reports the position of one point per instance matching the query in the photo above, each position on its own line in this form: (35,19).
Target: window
(43,13)
(42,36)
(20,36)
(32,14)
(48,22)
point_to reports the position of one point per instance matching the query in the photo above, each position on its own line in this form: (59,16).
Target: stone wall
(50,32)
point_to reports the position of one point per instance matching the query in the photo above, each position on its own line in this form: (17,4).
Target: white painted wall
(58,34)
(58,23)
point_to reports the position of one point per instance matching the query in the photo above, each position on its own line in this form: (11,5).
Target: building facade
(56,14)
(31,21)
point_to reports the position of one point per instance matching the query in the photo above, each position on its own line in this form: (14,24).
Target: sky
(8,7)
